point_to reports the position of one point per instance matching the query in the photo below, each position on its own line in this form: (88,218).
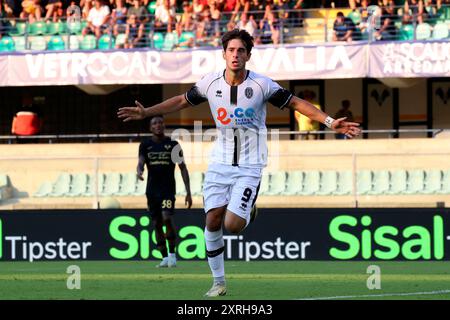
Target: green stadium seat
(440,31)
(398,182)
(19,43)
(62,185)
(78,186)
(432,183)
(364,182)
(170,41)
(179,184)
(56,43)
(112,184)
(406,32)
(152,7)
(184,37)
(6,44)
(355,16)
(264,184)
(19,29)
(73,27)
(381,182)
(128,184)
(415,181)
(311,183)
(38,28)
(106,42)
(89,42)
(328,182)
(445,187)
(158,40)
(423,31)
(196,180)
(277,183)
(44,190)
(56,28)
(74,42)
(121,39)
(294,183)
(344,183)
(91,185)
(38,43)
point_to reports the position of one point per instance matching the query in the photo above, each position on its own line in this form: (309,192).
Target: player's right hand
(139,174)
(132,113)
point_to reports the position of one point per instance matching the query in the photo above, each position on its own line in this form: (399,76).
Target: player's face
(157,126)
(236,55)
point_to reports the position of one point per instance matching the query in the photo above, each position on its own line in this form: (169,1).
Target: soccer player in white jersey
(237,98)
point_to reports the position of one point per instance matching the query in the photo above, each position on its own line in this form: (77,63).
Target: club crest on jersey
(167,146)
(249,92)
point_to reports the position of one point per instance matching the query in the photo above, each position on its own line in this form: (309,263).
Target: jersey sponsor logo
(219,93)
(249,92)
(240,115)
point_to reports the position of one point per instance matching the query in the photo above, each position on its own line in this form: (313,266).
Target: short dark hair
(340,14)
(157,116)
(246,38)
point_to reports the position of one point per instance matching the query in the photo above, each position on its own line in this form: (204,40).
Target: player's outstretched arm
(350,129)
(139,112)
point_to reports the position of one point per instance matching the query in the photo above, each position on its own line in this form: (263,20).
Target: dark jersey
(160,159)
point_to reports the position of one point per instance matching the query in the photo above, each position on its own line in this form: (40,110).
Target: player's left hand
(350,129)
(188,201)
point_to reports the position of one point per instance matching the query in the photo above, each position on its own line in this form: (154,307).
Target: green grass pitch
(246,280)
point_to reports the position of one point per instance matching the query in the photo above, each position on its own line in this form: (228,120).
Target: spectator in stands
(248,24)
(32,10)
(241,5)
(270,28)
(3,25)
(197,9)
(53,10)
(344,112)
(256,10)
(298,13)
(119,17)
(27,121)
(205,29)
(387,31)
(12,8)
(98,19)
(134,33)
(139,11)
(164,16)
(304,123)
(343,28)
(216,16)
(186,22)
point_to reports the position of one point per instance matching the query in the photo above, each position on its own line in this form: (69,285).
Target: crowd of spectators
(208,19)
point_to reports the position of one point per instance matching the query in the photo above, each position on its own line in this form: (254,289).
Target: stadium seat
(91,185)
(179,184)
(19,29)
(294,183)
(196,179)
(381,182)
(264,184)
(170,41)
(44,190)
(398,182)
(73,27)
(121,39)
(56,28)
(328,182)
(364,182)
(344,183)
(277,183)
(78,186)
(423,31)
(89,42)
(445,188)
(38,28)
(6,44)
(38,43)
(62,185)
(415,181)
(74,42)
(152,7)
(56,43)
(311,183)
(112,184)
(406,32)
(440,31)
(106,42)
(185,36)
(158,40)
(355,16)
(128,184)
(5,187)
(19,43)
(432,183)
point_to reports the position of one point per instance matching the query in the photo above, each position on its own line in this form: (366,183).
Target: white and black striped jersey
(240,115)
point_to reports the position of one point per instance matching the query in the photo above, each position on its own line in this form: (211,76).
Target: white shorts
(234,187)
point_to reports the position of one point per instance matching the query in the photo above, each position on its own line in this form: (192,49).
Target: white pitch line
(380,295)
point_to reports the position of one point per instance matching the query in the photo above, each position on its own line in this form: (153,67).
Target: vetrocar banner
(278,234)
(149,66)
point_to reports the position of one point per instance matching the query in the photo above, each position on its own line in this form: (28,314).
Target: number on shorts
(246,195)
(166,204)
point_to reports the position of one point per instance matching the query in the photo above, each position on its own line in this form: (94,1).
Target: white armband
(329,121)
